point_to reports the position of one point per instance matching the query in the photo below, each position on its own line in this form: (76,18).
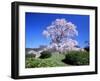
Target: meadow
(47,59)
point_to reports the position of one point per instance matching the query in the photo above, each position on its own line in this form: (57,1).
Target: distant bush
(30,55)
(77,58)
(45,54)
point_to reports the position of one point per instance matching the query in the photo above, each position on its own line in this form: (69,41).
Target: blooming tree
(62,34)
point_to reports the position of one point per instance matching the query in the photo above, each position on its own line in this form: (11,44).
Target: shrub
(77,58)
(45,54)
(30,55)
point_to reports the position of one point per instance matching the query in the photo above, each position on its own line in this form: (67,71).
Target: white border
(53,70)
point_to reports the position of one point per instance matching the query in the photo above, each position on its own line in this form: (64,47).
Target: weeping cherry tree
(62,34)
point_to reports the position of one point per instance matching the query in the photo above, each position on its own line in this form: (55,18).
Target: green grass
(56,60)
(53,61)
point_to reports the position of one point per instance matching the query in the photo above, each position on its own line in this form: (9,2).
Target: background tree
(87,46)
(62,34)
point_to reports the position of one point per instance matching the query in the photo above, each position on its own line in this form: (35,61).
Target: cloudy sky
(35,23)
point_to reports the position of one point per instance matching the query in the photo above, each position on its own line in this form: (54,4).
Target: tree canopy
(62,34)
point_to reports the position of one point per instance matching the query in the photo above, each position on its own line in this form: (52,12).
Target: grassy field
(56,60)
(53,61)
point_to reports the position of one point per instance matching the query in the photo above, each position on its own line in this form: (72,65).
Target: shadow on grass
(67,62)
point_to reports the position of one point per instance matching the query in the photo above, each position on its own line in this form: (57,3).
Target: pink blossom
(61,33)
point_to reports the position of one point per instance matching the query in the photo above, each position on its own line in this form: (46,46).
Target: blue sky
(35,23)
